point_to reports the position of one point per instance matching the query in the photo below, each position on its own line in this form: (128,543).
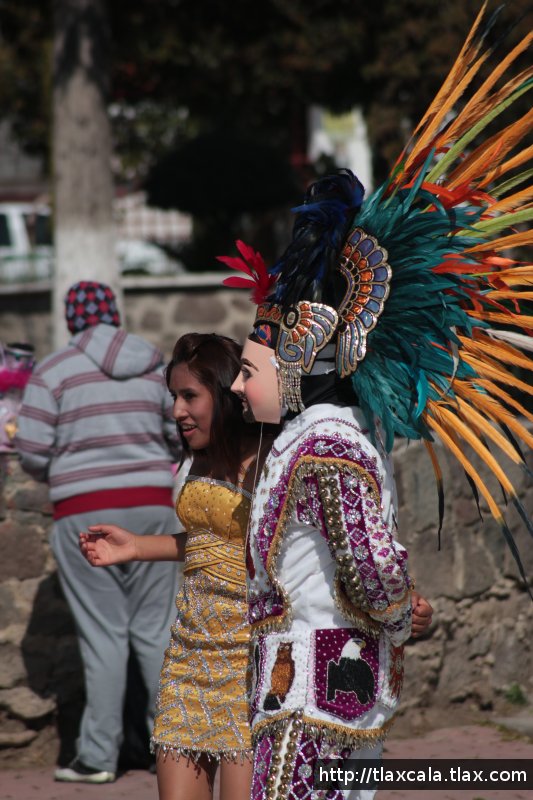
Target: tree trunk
(82,178)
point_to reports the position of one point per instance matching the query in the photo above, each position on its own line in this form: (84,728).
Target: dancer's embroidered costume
(416,300)
(328,593)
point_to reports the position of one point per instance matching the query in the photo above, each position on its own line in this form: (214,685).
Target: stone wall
(477,661)
(161,311)
(39,661)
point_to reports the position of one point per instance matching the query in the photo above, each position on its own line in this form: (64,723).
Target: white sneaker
(78,772)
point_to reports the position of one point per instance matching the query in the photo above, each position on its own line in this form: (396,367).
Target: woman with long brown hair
(202,716)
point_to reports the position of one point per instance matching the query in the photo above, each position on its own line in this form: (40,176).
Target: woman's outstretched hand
(103,545)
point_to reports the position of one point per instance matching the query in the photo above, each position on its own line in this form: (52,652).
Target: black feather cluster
(319,232)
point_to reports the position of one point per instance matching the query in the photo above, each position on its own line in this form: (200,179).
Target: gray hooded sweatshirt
(97,415)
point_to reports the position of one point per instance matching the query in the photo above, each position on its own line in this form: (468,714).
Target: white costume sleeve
(354,512)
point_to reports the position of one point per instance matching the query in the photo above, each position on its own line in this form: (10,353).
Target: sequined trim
(215,482)
(293,732)
(304,466)
(351,612)
(194,755)
(330,490)
(285,764)
(331,731)
(314,430)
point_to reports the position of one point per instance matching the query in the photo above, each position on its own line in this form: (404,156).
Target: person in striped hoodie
(96,424)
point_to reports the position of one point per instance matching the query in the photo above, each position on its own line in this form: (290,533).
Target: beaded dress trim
(216,482)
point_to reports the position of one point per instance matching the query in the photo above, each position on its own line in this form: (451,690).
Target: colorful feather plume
(261,282)
(452,217)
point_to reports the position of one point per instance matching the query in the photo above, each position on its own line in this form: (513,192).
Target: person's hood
(117,353)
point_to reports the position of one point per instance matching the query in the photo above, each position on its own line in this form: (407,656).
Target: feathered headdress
(430,285)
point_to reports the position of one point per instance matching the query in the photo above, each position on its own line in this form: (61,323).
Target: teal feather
(408,353)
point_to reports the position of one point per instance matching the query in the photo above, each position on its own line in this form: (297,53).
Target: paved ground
(468,742)
(488,742)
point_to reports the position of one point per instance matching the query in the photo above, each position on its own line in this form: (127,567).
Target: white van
(27,253)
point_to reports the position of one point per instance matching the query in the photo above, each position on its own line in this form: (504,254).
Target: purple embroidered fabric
(262,761)
(309,750)
(370,538)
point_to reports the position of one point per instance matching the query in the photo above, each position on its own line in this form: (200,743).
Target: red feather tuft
(251,263)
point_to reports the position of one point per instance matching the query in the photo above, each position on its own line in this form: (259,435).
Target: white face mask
(257,383)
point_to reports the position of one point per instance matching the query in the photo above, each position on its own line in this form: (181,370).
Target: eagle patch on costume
(351,674)
(346,671)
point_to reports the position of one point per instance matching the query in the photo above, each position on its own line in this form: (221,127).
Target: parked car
(27,252)
(137,256)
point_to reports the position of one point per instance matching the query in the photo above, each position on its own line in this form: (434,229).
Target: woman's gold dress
(202,705)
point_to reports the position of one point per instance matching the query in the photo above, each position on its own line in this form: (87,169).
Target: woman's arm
(104,545)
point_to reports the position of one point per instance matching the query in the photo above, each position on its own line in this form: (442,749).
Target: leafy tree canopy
(221,174)
(182,67)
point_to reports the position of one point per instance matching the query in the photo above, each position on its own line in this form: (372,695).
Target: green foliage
(183,67)
(515,695)
(416,42)
(221,173)
(222,59)
(217,177)
(25,72)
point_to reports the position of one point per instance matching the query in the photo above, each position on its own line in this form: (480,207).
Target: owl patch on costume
(281,678)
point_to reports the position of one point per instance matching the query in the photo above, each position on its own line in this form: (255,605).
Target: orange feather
(516,161)
(491,151)
(472,111)
(504,242)
(450,441)
(497,391)
(495,411)
(497,350)
(443,101)
(483,368)
(465,432)
(512,201)
(519,276)
(521,320)
(474,418)
(508,295)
